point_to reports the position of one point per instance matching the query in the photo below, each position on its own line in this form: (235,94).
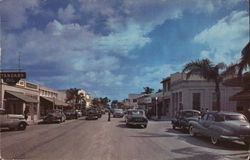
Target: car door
(207,125)
(202,129)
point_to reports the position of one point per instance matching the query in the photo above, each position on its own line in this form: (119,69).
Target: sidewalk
(33,122)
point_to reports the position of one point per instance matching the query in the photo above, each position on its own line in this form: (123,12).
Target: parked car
(70,114)
(183,118)
(220,126)
(136,118)
(12,121)
(118,113)
(55,115)
(92,113)
(79,113)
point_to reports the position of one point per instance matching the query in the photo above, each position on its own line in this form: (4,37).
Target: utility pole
(1,61)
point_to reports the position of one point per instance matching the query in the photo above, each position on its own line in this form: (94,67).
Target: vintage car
(183,118)
(136,118)
(92,113)
(220,126)
(118,113)
(54,116)
(12,121)
(70,114)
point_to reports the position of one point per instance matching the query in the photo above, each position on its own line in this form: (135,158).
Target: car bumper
(236,138)
(137,123)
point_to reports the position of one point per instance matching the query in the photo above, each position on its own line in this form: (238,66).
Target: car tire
(191,131)
(21,126)
(214,140)
(145,126)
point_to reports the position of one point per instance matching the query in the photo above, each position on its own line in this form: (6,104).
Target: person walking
(109,115)
(26,111)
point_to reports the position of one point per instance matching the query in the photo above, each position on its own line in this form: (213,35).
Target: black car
(54,116)
(183,118)
(70,114)
(136,118)
(92,113)
(219,126)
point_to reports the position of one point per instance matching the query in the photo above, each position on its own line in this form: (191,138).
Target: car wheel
(21,126)
(214,140)
(145,126)
(191,131)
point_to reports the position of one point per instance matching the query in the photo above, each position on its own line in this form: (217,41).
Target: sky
(116,47)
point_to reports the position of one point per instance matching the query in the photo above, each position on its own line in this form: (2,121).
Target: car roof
(189,110)
(225,112)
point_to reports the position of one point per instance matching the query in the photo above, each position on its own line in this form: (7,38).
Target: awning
(241,96)
(56,101)
(23,97)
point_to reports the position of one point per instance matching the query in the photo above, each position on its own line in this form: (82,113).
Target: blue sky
(116,47)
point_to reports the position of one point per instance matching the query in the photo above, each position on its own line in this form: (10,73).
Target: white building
(194,93)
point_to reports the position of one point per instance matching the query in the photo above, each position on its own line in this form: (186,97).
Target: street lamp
(156,108)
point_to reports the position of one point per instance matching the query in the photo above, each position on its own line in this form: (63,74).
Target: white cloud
(123,42)
(226,38)
(67,14)
(151,76)
(103,78)
(14,12)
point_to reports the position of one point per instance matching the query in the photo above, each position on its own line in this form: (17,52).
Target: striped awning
(56,101)
(22,97)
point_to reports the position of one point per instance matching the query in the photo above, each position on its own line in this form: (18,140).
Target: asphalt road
(102,140)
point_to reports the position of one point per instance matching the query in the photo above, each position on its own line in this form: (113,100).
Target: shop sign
(12,78)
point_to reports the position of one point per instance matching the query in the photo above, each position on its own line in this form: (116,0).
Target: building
(194,93)
(131,101)
(49,99)
(23,96)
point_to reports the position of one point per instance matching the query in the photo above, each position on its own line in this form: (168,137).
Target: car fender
(215,131)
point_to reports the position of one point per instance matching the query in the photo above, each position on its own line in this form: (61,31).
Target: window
(29,85)
(134,100)
(204,117)
(211,117)
(196,101)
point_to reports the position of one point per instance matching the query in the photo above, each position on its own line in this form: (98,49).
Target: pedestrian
(26,111)
(109,115)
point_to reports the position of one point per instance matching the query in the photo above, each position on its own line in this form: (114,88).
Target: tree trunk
(217,92)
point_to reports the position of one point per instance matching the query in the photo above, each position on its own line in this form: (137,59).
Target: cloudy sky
(116,47)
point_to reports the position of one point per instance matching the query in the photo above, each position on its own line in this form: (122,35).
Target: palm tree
(148,90)
(245,59)
(210,72)
(73,94)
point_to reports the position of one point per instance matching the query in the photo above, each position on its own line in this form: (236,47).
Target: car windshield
(136,112)
(235,118)
(118,110)
(191,114)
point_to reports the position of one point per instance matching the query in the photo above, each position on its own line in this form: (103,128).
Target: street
(102,140)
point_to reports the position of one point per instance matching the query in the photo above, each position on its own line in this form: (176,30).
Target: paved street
(101,140)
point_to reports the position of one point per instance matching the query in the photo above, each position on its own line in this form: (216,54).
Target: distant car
(12,121)
(183,118)
(55,116)
(79,113)
(70,114)
(221,126)
(92,113)
(118,113)
(136,118)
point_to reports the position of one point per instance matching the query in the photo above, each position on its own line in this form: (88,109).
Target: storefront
(48,103)
(19,103)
